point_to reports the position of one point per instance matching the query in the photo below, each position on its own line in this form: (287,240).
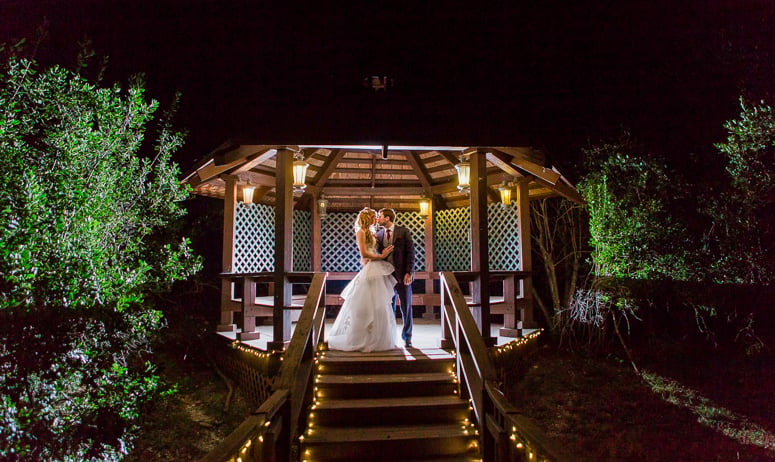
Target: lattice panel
(503,242)
(416,225)
(253,370)
(253,238)
(453,251)
(338,251)
(302,237)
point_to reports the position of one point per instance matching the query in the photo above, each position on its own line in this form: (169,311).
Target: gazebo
(289,211)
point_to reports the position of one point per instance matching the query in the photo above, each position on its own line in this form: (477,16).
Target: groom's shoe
(408,343)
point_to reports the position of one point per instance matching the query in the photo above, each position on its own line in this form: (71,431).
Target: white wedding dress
(366,321)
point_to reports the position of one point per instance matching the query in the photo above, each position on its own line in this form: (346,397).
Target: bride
(366,321)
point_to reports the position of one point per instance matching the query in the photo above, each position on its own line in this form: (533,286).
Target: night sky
(509,73)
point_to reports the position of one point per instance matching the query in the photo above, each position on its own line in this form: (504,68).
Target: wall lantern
(323,207)
(425,206)
(299,173)
(463,175)
(505,191)
(247,193)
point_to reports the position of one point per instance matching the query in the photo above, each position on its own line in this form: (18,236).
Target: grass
(686,405)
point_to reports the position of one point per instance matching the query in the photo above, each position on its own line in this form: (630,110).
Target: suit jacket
(403,250)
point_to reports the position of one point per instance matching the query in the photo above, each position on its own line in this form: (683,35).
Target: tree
(557,228)
(742,211)
(83,241)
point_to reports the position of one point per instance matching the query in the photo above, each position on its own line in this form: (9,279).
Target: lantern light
(463,175)
(505,191)
(323,207)
(299,173)
(247,194)
(425,206)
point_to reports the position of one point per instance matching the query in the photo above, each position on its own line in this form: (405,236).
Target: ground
(687,405)
(191,422)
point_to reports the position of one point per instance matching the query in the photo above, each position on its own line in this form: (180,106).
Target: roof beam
(419,170)
(518,160)
(373,191)
(256,159)
(241,152)
(501,161)
(328,167)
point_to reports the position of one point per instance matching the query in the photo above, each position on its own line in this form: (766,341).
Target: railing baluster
(504,433)
(271,432)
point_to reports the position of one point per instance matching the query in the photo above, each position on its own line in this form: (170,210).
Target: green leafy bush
(634,233)
(84,205)
(742,210)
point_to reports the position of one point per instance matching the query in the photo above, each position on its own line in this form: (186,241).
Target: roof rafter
(419,170)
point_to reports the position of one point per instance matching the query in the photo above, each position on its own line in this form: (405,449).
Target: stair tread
(371,403)
(332,379)
(385,433)
(347,357)
(416,354)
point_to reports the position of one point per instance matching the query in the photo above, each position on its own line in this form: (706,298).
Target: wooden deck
(426,334)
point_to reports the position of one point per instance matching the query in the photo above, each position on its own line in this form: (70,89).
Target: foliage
(742,237)
(82,243)
(633,232)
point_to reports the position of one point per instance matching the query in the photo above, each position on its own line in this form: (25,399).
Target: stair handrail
(504,433)
(271,432)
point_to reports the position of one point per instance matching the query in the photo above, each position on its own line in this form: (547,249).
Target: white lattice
(255,225)
(453,251)
(253,238)
(416,225)
(503,242)
(302,237)
(338,250)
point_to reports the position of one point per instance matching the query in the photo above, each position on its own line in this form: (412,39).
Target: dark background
(547,74)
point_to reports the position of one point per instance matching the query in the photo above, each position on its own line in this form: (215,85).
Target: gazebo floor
(426,334)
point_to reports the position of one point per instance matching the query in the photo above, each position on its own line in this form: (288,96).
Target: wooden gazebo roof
(354,176)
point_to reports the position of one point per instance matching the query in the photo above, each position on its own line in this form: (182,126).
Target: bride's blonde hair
(364,221)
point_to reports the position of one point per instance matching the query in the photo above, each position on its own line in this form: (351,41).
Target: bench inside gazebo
(289,213)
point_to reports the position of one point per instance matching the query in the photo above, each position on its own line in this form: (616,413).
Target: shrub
(82,243)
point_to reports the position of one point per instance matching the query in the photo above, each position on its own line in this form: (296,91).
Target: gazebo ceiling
(355,176)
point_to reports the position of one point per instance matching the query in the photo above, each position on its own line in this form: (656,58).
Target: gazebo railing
(269,433)
(504,434)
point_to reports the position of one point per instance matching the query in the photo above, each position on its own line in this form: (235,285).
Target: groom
(402,259)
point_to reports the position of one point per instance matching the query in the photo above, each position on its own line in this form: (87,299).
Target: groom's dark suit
(402,259)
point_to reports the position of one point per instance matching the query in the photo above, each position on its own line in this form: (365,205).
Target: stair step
(428,360)
(390,411)
(389,442)
(385,385)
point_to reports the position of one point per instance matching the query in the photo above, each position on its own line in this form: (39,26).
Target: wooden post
(525,259)
(509,328)
(317,227)
(479,251)
(430,225)
(283,249)
(248,310)
(229,212)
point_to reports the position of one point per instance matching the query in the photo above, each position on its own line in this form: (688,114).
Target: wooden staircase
(393,405)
